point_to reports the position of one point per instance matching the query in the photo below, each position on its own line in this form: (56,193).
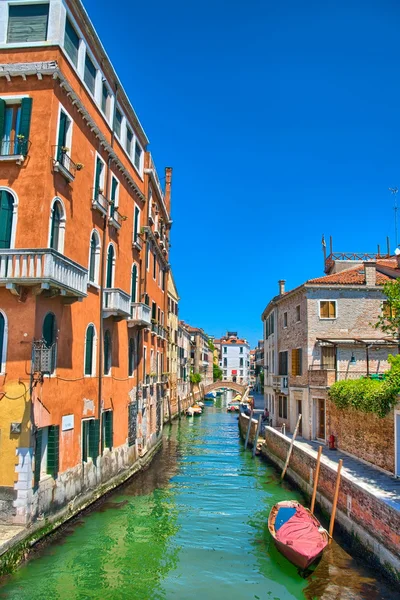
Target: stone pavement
(8,533)
(371,479)
(258,401)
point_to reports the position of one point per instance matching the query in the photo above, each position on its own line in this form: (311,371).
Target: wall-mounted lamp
(353,359)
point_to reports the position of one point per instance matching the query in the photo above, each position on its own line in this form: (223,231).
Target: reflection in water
(192,526)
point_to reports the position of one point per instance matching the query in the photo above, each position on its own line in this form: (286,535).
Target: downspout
(102,278)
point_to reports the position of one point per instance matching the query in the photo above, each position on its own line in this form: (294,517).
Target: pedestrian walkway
(371,479)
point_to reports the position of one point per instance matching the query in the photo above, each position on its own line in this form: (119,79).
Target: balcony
(117,304)
(280,383)
(321,376)
(64,165)
(115,219)
(99,202)
(140,315)
(154,328)
(137,242)
(14,150)
(42,267)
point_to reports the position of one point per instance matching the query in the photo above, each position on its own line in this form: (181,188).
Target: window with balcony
(105,100)
(90,351)
(327,309)
(283,363)
(3,341)
(154,266)
(27,23)
(134,283)
(89,74)
(110,270)
(297,367)
(131,357)
(15,123)
(107,429)
(138,156)
(94,258)
(57,226)
(117,123)
(71,42)
(7,216)
(107,352)
(99,178)
(64,142)
(49,335)
(114,196)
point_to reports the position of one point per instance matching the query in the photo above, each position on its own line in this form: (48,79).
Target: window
(285,320)
(49,335)
(148,256)
(283,407)
(57,227)
(241,372)
(241,362)
(136,225)
(297,367)
(129,139)
(107,352)
(90,351)
(225,349)
(99,178)
(110,266)
(154,265)
(134,283)
(90,439)
(71,42)
(107,429)
(298,314)
(327,309)
(15,122)
(114,195)
(283,363)
(6,218)
(225,362)
(27,23)
(64,139)
(138,156)
(269,325)
(94,258)
(3,341)
(144,363)
(328,357)
(225,372)
(89,75)
(241,349)
(105,100)
(46,452)
(117,123)
(388,310)
(131,357)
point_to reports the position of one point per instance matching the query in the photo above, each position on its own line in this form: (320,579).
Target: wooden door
(321,419)
(328,357)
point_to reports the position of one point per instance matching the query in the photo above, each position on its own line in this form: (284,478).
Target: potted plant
(64,149)
(79,166)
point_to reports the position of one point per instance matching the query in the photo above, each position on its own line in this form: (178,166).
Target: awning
(366,342)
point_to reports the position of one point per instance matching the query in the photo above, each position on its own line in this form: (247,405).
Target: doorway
(321,416)
(328,357)
(300,412)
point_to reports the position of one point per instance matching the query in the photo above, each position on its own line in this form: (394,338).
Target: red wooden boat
(297,533)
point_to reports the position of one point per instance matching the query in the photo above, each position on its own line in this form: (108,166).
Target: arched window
(49,334)
(90,351)
(94,257)
(110,266)
(134,284)
(107,352)
(131,356)
(6,218)
(57,226)
(3,341)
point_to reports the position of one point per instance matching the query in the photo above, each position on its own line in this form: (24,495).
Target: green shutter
(89,350)
(85,449)
(53,450)
(6,218)
(49,329)
(99,165)
(71,42)
(2,116)
(62,135)
(136,226)
(25,122)
(107,421)
(27,23)
(133,283)
(38,457)
(94,437)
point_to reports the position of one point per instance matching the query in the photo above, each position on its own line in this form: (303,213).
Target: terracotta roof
(233,342)
(356,275)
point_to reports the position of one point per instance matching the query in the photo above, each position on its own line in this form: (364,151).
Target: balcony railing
(64,164)
(14,149)
(280,383)
(115,218)
(99,201)
(322,376)
(137,242)
(140,315)
(154,328)
(116,303)
(45,267)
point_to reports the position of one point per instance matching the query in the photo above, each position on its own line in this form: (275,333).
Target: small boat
(297,533)
(233,407)
(211,396)
(237,398)
(201,404)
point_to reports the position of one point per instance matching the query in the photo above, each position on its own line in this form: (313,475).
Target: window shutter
(136,226)
(99,165)
(94,435)
(300,357)
(6,218)
(71,42)
(89,75)
(89,351)
(25,121)
(53,450)
(107,419)
(27,23)
(38,456)
(2,116)
(85,449)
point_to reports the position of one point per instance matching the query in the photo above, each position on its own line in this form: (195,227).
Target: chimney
(370,273)
(281,286)
(167,195)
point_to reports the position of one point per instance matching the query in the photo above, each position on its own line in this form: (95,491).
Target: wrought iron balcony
(42,267)
(116,303)
(137,242)
(14,149)
(64,164)
(99,201)
(115,219)
(140,315)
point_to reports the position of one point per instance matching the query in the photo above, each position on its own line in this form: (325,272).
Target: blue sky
(281,121)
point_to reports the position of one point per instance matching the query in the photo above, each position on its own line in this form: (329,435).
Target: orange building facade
(84,240)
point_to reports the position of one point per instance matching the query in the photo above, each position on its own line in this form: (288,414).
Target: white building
(235,358)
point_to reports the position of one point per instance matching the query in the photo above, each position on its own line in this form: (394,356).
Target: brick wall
(364,435)
(375,523)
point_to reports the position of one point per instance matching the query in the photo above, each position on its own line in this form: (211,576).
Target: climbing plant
(217,373)
(369,395)
(195,377)
(389,319)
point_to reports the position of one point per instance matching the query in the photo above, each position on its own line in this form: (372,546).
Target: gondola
(297,533)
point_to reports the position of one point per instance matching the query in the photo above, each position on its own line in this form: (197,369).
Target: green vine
(368,395)
(195,377)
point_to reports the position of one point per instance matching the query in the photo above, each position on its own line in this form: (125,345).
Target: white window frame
(140,169)
(95,94)
(113,264)
(95,283)
(155,262)
(15,214)
(336,309)
(69,132)
(3,356)
(94,352)
(103,173)
(116,202)
(135,301)
(62,224)
(136,206)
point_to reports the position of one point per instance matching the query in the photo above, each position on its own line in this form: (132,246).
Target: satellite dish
(397,251)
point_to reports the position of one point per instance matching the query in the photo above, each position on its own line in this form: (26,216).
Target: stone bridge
(230,385)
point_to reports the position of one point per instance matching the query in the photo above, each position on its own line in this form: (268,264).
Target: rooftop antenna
(395,192)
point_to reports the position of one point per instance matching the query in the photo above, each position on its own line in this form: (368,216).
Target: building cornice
(152,238)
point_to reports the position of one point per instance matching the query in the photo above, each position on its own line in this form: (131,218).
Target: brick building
(84,241)
(201,356)
(321,332)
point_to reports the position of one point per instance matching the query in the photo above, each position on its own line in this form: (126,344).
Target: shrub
(195,377)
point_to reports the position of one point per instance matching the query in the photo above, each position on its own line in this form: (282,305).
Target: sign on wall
(67,422)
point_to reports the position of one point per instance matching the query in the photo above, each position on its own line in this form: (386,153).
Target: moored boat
(297,533)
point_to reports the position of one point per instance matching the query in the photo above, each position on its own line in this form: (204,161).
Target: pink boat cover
(301,533)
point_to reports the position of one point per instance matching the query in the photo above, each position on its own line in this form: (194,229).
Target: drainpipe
(102,281)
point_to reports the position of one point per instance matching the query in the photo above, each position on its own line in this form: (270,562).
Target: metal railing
(44,357)
(116,302)
(33,266)
(99,201)
(115,218)
(18,146)
(63,160)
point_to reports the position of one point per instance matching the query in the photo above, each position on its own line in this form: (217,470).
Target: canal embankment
(368,512)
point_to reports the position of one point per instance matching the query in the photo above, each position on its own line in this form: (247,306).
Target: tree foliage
(389,319)
(217,373)
(369,395)
(195,377)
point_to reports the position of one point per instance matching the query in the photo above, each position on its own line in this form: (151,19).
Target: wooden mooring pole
(256,436)
(316,477)
(334,503)
(248,430)
(291,447)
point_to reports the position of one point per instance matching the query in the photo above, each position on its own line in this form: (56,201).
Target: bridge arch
(230,385)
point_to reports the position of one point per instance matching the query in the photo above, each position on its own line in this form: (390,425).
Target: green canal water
(193,526)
